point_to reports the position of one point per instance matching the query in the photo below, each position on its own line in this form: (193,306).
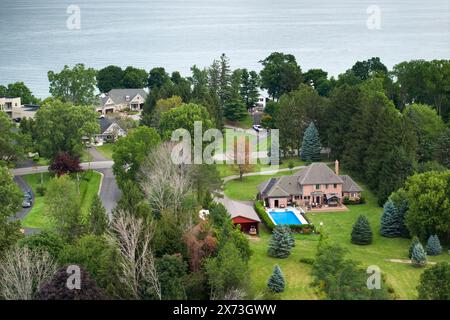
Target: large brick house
(316,185)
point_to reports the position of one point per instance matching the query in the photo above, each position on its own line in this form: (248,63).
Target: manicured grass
(226,170)
(246,123)
(296,274)
(106,150)
(245,189)
(403,278)
(37,217)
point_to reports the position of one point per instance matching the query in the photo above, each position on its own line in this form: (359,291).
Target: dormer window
(127,98)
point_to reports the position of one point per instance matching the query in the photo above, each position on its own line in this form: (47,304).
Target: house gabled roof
(239,209)
(317,173)
(350,185)
(105,123)
(119,96)
(280,187)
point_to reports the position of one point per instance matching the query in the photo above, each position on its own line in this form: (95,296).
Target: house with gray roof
(242,214)
(121,99)
(314,186)
(110,130)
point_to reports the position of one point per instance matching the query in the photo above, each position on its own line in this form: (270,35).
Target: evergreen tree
(415,240)
(361,232)
(434,247)
(419,256)
(311,146)
(281,242)
(98,220)
(400,200)
(390,224)
(235,110)
(276,282)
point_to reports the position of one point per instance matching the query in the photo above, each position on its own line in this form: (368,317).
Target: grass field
(106,150)
(246,123)
(227,170)
(403,278)
(37,217)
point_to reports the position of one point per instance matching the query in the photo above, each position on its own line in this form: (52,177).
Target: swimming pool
(284,217)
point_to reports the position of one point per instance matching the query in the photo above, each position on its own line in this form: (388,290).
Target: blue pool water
(284,217)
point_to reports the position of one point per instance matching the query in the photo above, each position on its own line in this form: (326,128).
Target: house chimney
(336,167)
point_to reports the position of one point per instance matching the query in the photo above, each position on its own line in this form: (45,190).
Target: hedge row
(259,208)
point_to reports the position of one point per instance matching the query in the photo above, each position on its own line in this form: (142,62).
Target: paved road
(85,166)
(24,211)
(25,187)
(109,191)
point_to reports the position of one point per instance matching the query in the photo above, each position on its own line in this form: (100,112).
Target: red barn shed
(242,214)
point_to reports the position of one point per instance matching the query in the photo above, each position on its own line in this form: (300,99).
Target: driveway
(109,191)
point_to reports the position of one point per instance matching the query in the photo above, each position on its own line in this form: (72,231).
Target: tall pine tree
(415,240)
(434,247)
(281,242)
(276,282)
(390,222)
(400,200)
(361,232)
(98,220)
(310,150)
(418,257)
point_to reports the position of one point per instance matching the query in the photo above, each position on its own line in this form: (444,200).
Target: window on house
(335,185)
(326,186)
(317,186)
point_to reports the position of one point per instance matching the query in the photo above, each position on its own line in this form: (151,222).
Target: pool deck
(296,212)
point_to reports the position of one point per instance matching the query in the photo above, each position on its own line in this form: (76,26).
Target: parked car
(26,204)
(257,127)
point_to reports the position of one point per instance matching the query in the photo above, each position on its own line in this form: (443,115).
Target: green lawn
(106,150)
(246,123)
(403,278)
(226,170)
(37,218)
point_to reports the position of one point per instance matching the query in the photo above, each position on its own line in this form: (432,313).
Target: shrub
(276,281)
(40,190)
(291,164)
(259,208)
(418,257)
(281,242)
(309,261)
(434,283)
(45,241)
(433,246)
(361,232)
(348,201)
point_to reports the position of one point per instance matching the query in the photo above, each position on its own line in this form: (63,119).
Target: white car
(257,127)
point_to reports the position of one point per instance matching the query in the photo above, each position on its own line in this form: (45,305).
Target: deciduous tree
(76,85)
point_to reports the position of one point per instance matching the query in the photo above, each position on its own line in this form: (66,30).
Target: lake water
(175,34)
